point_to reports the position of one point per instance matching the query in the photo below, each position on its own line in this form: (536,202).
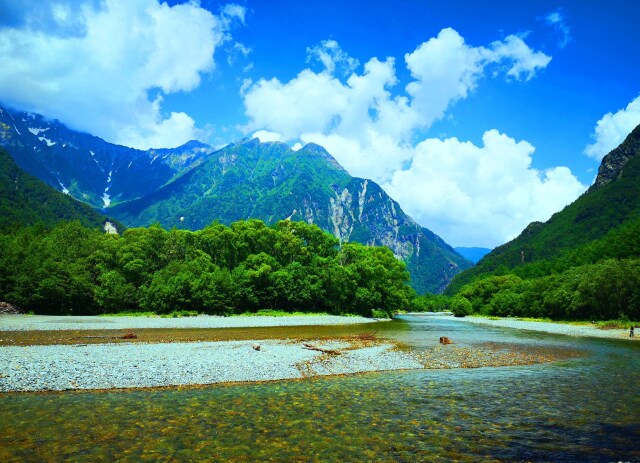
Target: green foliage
(270,181)
(248,266)
(430,303)
(609,289)
(460,306)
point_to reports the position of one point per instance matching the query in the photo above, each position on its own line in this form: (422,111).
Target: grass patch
(616,324)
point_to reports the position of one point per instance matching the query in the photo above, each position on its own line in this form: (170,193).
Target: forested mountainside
(583,263)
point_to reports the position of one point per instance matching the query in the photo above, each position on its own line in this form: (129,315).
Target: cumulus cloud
(319,104)
(103,67)
(483,195)
(612,129)
(369,130)
(471,195)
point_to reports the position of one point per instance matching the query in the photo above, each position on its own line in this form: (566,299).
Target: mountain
(472,254)
(193,185)
(87,167)
(272,182)
(26,200)
(610,203)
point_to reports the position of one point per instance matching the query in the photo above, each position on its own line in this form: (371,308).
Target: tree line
(598,280)
(222,270)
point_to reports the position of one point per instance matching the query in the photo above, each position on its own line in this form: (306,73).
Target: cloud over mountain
(104,67)
(612,129)
(376,131)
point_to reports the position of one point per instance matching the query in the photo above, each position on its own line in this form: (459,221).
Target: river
(580,410)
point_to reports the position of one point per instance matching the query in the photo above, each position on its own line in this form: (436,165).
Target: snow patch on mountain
(37,131)
(106,198)
(47,141)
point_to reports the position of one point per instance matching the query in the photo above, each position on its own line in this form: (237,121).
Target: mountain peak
(317,150)
(613,164)
(193,144)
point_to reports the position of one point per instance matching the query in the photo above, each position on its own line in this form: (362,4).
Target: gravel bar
(106,366)
(70,322)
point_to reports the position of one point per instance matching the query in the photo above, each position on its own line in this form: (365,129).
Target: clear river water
(580,410)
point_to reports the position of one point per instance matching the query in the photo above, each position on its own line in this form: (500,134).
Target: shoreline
(544,327)
(94,322)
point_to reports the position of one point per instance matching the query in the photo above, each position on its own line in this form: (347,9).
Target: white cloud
(523,62)
(332,56)
(266,136)
(108,77)
(612,129)
(471,195)
(557,20)
(445,69)
(480,195)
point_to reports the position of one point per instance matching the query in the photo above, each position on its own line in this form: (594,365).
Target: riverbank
(549,327)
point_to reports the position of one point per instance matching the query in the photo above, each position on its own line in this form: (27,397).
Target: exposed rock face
(612,166)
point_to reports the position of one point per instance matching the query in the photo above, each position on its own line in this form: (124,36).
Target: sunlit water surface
(581,410)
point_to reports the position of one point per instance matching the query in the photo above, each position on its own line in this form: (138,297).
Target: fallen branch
(319,349)
(126,336)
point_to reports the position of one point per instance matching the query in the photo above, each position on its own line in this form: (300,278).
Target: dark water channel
(580,410)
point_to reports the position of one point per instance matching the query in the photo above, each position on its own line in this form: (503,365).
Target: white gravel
(50,322)
(102,366)
(550,327)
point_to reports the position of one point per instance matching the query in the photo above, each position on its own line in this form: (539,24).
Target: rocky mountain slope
(193,185)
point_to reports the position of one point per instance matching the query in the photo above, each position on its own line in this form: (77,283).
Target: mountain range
(194,185)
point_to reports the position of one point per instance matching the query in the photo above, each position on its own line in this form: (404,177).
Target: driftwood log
(319,349)
(126,336)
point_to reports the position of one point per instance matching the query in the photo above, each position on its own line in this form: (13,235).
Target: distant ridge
(473,254)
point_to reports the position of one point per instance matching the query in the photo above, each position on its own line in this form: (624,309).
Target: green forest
(598,280)
(221,270)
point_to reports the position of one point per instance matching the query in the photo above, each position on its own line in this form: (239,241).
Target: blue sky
(478,117)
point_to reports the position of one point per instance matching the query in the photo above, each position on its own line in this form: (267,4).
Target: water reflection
(578,410)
